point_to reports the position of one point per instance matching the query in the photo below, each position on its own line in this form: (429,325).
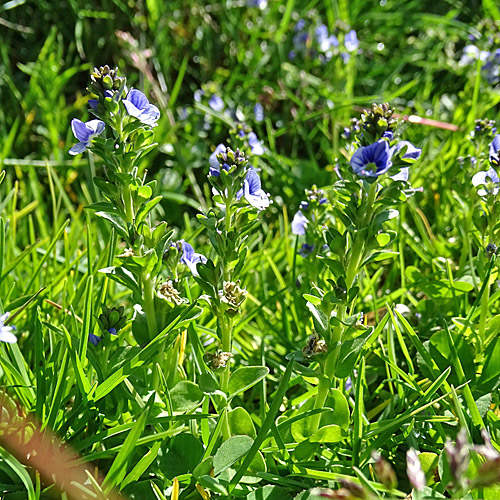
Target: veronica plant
(353,236)
(122,133)
(238,199)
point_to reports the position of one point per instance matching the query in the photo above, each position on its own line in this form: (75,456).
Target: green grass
(145,418)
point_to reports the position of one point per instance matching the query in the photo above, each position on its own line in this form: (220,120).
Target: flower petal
(80,130)
(299,223)
(132,110)
(7,336)
(78,148)
(137,98)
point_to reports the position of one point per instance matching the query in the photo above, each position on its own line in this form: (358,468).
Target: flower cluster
(112,104)
(315,41)
(490,59)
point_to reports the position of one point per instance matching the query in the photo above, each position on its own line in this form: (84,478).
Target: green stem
(149,306)
(129,207)
(226,329)
(484,313)
(355,260)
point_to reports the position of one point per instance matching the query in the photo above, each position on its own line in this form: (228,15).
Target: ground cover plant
(249,249)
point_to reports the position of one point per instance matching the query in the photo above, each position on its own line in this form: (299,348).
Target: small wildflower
(351,41)
(255,144)
(258,112)
(491,249)
(216,103)
(85,132)
(489,182)
(299,223)
(94,339)
(94,102)
(106,78)
(414,470)
(138,106)
(252,191)
(168,292)
(306,249)
(6,334)
(372,160)
(214,161)
(495,150)
(190,258)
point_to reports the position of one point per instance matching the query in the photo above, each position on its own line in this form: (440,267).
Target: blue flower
(325,42)
(6,334)
(372,160)
(304,205)
(489,179)
(94,339)
(190,258)
(94,102)
(255,144)
(495,150)
(306,249)
(299,223)
(198,95)
(138,106)
(258,111)
(252,191)
(351,41)
(85,132)
(216,103)
(214,161)
(375,159)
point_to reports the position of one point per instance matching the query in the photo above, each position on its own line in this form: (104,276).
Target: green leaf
(328,434)
(185,396)
(118,468)
(240,422)
(245,377)
(183,455)
(269,492)
(349,353)
(230,452)
(320,320)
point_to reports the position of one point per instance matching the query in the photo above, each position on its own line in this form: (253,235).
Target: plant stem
(355,260)
(127,201)
(226,330)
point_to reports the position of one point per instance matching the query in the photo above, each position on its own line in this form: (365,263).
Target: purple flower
(85,132)
(375,159)
(299,223)
(138,106)
(214,161)
(300,25)
(216,103)
(94,102)
(304,205)
(402,175)
(258,111)
(325,42)
(495,150)
(351,41)
(306,249)
(252,191)
(372,160)
(6,334)
(255,144)
(94,339)
(412,153)
(489,179)
(198,95)
(190,258)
